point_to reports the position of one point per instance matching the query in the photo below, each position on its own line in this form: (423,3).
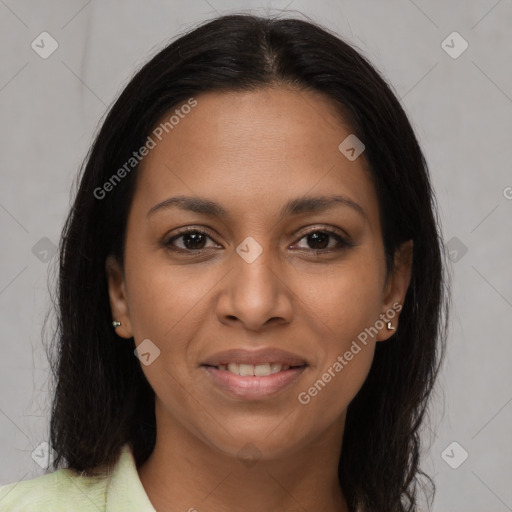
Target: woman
(255,223)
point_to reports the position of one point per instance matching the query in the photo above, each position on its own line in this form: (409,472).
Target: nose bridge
(256,293)
(255,277)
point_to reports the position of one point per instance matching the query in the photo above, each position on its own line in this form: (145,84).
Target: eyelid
(327,229)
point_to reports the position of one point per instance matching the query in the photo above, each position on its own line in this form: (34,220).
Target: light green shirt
(65,491)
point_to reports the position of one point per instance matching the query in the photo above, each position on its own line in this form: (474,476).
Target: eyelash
(344,243)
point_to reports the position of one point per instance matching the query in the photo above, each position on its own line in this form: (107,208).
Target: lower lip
(254,388)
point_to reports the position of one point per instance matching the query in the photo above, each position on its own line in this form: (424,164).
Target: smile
(253,382)
(254,370)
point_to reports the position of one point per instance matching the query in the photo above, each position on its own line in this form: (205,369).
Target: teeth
(276,367)
(233,368)
(244,369)
(258,370)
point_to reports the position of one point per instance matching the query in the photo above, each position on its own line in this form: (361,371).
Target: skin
(251,152)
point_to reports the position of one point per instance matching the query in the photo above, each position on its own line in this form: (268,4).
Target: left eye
(320,239)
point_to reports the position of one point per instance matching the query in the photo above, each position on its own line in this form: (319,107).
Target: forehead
(252,149)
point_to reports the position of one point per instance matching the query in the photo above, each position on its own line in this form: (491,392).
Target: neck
(186,473)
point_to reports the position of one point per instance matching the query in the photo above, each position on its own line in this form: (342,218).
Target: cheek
(332,387)
(344,351)
(346,303)
(163,299)
(169,306)
(166,308)
(345,299)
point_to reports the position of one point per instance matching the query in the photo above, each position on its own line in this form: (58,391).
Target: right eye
(192,240)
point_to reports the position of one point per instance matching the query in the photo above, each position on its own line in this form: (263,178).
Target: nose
(256,294)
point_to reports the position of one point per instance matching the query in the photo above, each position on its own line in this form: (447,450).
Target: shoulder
(118,489)
(62,490)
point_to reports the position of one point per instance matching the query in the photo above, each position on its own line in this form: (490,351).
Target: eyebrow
(305,204)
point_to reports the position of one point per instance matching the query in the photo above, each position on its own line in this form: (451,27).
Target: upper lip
(261,356)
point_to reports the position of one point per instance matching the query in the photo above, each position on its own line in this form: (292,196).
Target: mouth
(253,382)
(255,370)
(253,374)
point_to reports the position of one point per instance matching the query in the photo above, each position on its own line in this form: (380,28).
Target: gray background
(460,108)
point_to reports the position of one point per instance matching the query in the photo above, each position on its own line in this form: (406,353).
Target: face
(253,276)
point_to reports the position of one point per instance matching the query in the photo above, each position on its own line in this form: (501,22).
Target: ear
(118,297)
(395,290)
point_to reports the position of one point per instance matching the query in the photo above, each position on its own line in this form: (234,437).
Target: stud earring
(390,327)
(116,324)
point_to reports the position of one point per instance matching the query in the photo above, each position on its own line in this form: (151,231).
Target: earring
(116,324)
(390,327)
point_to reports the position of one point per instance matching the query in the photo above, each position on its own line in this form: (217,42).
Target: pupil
(195,238)
(323,237)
